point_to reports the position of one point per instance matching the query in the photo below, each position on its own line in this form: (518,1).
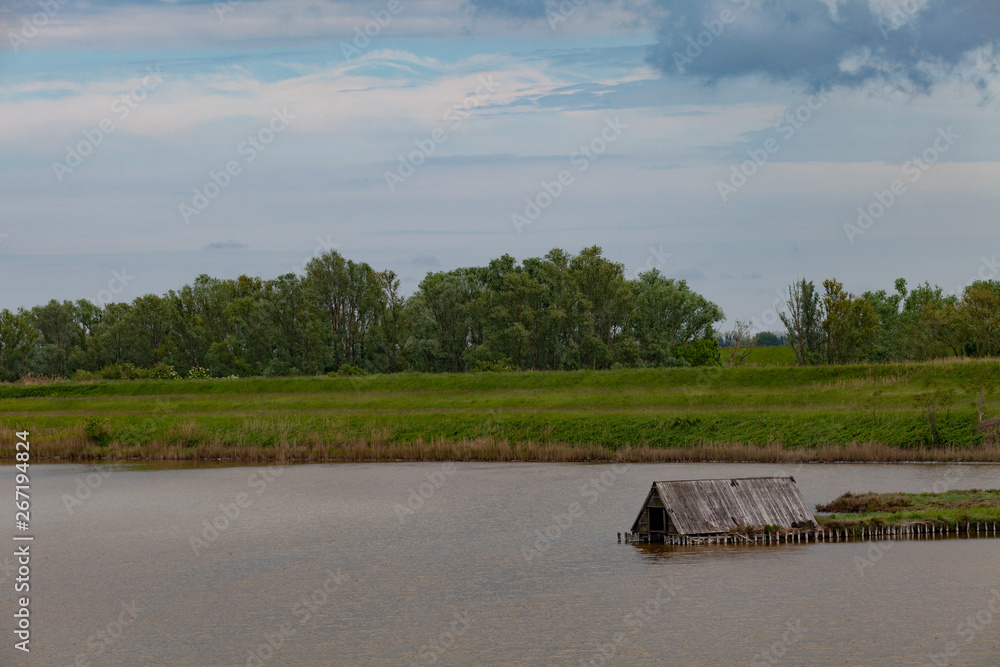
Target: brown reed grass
(187,444)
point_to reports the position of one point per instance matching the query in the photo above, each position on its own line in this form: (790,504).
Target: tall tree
(19,340)
(851,324)
(669,315)
(61,333)
(979,310)
(804,322)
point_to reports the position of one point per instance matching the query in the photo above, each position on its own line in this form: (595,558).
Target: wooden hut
(703,508)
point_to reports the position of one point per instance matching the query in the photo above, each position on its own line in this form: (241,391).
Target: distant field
(779,355)
(760,412)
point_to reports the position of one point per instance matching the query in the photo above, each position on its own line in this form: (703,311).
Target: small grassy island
(874,511)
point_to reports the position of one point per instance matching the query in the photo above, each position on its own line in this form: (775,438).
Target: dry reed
(377,447)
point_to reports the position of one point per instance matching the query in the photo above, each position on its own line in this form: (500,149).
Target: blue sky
(730,143)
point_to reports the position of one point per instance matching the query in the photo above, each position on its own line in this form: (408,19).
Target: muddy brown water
(476,564)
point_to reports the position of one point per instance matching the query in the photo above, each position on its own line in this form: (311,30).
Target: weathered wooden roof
(704,506)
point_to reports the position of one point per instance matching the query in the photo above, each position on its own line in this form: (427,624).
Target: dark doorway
(657,520)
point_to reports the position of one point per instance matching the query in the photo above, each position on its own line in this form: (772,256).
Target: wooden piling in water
(921,530)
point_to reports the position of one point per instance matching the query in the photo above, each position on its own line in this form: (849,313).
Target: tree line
(560,311)
(837,327)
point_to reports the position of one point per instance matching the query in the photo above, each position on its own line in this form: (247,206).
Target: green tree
(146,328)
(440,313)
(61,333)
(851,324)
(391,324)
(930,326)
(19,340)
(888,343)
(602,309)
(804,322)
(669,315)
(979,312)
(768,339)
(980,386)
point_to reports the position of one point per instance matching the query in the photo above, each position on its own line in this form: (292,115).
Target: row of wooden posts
(917,530)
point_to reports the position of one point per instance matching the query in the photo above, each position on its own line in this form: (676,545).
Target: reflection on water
(485,564)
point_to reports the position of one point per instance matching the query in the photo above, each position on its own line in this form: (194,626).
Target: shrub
(350,369)
(198,373)
(98,431)
(126,371)
(498,366)
(161,371)
(700,353)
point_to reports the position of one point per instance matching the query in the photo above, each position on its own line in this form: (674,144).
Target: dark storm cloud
(806,40)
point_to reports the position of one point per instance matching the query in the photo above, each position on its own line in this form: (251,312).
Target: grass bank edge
(939,373)
(950,508)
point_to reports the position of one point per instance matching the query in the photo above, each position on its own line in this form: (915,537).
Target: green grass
(873,510)
(778,355)
(751,408)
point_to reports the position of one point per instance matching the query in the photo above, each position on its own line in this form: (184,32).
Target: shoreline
(489,450)
(877,414)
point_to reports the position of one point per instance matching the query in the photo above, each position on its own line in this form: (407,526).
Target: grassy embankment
(878,510)
(762,413)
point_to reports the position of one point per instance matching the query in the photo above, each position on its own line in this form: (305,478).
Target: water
(464,578)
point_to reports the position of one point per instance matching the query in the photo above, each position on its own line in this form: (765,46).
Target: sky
(739,145)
